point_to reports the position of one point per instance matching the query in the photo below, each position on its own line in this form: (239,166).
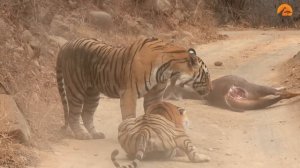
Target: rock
(58,40)
(34,97)
(33,46)
(163,5)
(58,26)
(228,153)
(210,149)
(157,5)
(187,34)
(19,49)
(3,89)
(12,121)
(297,56)
(46,15)
(178,15)
(10,44)
(143,25)
(26,36)
(218,63)
(101,19)
(6,31)
(169,35)
(137,25)
(36,63)
(29,51)
(184,36)
(99,3)
(73,4)
(189,4)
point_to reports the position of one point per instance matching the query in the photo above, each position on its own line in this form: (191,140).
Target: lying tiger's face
(192,72)
(173,113)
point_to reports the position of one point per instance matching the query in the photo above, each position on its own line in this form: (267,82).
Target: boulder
(73,4)
(46,15)
(57,40)
(58,26)
(27,36)
(33,45)
(187,34)
(137,25)
(178,35)
(190,4)
(157,5)
(297,56)
(99,3)
(218,63)
(12,121)
(169,35)
(100,19)
(3,89)
(179,15)
(6,31)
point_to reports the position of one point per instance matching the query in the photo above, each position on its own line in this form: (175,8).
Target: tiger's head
(173,113)
(174,61)
(193,73)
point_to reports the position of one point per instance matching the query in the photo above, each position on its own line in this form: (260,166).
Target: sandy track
(253,139)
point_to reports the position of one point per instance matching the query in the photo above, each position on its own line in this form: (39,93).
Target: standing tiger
(87,67)
(156,134)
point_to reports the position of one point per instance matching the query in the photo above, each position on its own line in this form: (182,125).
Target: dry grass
(253,13)
(14,155)
(290,73)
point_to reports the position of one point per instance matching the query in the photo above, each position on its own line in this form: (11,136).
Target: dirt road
(253,139)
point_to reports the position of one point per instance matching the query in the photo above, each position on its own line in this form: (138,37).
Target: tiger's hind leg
(185,144)
(75,108)
(90,105)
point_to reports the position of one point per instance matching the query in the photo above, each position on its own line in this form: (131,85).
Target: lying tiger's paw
(82,136)
(201,158)
(179,153)
(98,135)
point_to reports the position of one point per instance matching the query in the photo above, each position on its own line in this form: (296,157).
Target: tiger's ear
(192,52)
(193,57)
(181,110)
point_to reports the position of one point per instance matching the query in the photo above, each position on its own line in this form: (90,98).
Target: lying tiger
(87,67)
(158,133)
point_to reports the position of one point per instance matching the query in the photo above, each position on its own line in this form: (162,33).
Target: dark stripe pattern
(153,134)
(87,67)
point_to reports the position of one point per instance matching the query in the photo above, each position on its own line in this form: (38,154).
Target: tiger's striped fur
(159,132)
(87,67)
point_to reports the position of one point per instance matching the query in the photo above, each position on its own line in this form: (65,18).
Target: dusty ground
(291,72)
(263,138)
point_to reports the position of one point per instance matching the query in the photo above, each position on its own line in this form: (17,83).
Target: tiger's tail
(62,91)
(142,140)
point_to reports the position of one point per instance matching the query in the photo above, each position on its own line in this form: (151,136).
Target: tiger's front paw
(98,135)
(82,136)
(201,158)
(179,153)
